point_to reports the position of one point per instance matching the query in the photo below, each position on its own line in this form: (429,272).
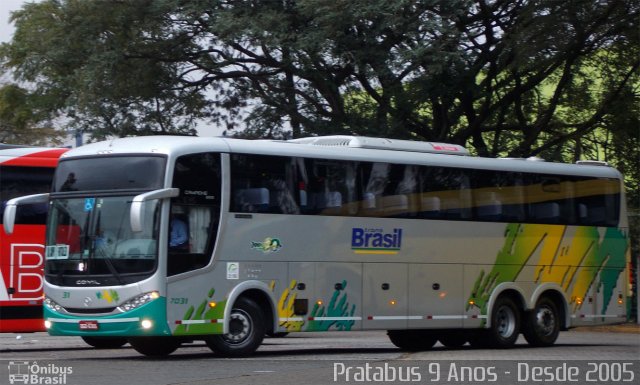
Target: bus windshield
(91,237)
(109,174)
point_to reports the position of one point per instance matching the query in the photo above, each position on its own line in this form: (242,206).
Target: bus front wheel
(155,346)
(246,331)
(542,324)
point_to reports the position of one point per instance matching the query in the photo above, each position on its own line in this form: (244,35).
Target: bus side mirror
(137,205)
(9,217)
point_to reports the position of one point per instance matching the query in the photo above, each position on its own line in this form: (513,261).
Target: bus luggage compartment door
(435,295)
(384,302)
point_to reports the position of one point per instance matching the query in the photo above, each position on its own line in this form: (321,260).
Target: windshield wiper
(109,264)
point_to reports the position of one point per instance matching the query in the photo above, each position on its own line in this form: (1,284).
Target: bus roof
(383,144)
(30,156)
(174,146)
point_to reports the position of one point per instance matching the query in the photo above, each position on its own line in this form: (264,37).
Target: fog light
(47,324)
(146,324)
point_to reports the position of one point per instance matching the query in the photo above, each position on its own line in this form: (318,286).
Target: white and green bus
(162,240)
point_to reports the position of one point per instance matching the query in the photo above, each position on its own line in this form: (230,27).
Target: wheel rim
(240,327)
(505,322)
(545,320)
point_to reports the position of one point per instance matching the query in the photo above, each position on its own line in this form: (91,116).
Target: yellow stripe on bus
(374,252)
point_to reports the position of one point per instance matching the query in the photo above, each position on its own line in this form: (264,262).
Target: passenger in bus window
(104,243)
(178,234)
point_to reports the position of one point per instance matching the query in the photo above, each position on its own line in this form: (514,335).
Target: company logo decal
(375,241)
(25,272)
(108,295)
(269,245)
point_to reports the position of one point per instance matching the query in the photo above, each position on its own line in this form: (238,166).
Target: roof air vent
(383,144)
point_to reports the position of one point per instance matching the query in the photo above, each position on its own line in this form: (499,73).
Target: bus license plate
(88,325)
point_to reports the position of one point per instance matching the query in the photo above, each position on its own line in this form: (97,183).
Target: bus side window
(488,206)
(551,200)
(399,199)
(498,196)
(374,178)
(252,200)
(18,181)
(447,189)
(264,184)
(597,201)
(330,187)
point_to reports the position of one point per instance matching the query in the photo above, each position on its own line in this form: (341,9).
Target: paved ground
(621,328)
(325,358)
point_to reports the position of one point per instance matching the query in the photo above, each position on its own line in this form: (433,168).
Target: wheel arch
(510,290)
(260,293)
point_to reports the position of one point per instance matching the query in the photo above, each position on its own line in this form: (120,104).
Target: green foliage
(557,79)
(21,122)
(88,60)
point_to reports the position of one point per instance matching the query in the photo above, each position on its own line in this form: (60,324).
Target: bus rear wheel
(413,340)
(105,342)
(155,346)
(246,331)
(542,324)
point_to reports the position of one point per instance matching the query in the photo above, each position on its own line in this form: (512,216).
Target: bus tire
(246,331)
(542,324)
(155,346)
(453,339)
(505,324)
(412,340)
(105,342)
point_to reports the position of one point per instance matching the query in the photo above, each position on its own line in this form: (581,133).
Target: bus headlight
(146,324)
(51,304)
(139,301)
(47,324)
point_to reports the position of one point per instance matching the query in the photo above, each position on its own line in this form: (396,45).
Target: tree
(75,53)
(507,77)
(21,122)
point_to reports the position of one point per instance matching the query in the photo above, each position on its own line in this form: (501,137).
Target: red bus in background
(24,171)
